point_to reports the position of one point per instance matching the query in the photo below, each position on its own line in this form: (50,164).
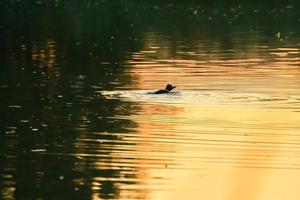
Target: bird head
(170,87)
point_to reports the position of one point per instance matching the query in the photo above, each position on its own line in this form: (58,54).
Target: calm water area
(77,122)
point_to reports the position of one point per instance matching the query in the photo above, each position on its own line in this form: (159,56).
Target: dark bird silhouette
(168,89)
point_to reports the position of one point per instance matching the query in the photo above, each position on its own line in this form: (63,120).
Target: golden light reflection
(218,151)
(224,153)
(204,69)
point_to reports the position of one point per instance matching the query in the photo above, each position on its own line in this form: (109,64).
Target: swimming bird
(168,89)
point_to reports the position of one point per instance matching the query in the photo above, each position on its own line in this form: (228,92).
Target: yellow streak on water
(224,153)
(221,151)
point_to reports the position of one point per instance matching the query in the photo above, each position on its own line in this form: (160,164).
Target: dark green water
(76,125)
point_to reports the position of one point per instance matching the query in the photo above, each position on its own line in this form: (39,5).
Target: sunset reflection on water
(80,121)
(238,150)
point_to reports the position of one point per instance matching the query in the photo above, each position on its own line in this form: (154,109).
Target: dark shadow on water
(53,118)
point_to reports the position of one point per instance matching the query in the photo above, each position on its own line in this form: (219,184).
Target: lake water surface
(78,122)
